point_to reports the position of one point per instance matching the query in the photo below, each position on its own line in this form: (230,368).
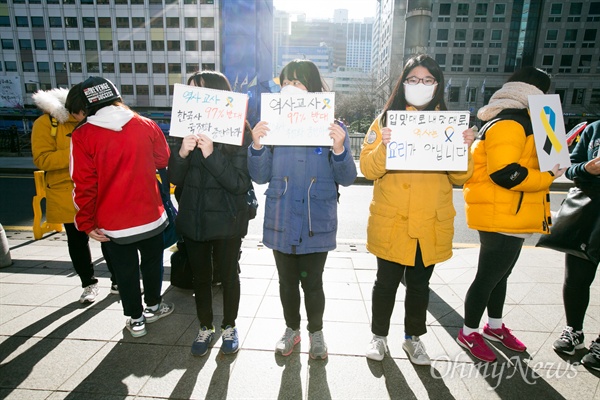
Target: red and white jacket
(114,157)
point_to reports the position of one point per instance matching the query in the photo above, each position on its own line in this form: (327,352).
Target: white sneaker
(377,348)
(286,344)
(416,351)
(89,294)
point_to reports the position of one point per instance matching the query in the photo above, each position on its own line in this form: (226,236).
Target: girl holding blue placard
(410,226)
(213,218)
(300,222)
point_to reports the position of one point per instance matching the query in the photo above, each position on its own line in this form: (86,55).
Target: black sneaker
(569,341)
(592,359)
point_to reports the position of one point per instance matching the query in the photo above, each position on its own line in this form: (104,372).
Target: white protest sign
(549,131)
(427,140)
(298,120)
(219,114)
(11,95)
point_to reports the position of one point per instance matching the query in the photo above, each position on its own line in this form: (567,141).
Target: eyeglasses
(427,81)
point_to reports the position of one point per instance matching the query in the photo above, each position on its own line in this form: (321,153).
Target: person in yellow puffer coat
(507,200)
(50,145)
(411,219)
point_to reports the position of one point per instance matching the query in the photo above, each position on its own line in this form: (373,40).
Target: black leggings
(579,275)
(497,257)
(79,250)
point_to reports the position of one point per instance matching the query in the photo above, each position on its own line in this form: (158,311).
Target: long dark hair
(306,72)
(532,76)
(397,100)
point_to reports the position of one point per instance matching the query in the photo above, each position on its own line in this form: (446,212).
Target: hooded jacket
(51,153)
(213,202)
(408,207)
(114,157)
(507,192)
(301,200)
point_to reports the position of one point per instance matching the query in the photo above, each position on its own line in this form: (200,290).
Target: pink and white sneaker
(475,344)
(504,336)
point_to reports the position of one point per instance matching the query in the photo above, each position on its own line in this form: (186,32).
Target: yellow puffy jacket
(51,154)
(507,192)
(408,207)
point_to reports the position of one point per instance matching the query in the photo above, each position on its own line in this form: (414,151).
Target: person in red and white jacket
(114,157)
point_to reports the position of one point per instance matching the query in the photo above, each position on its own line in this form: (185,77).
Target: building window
(475,63)
(60,67)
(87,2)
(22,21)
(548,61)
(71,22)
(106,45)
(108,68)
(478,35)
(127,90)
(43,66)
(499,10)
(138,22)
(37,22)
(457,62)
(24,44)
(575,9)
(174,45)
(160,90)
(75,67)
(595,100)
(570,35)
(55,22)
(585,64)
(139,45)
(104,22)
(207,45)
(481,12)
(88,22)
(142,90)
(40,44)
(191,45)
(28,66)
(441,60)
(189,68)
(141,68)
(91,45)
(566,62)
(207,22)
(589,38)
(125,68)
(578,96)
(73,45)
(4,22)
(93,67)
(172,22)
(156,22)
(124,45)
(191,22)
(158,68)
(7,44)
(460,37)
(122,22)
(10,66)
(208,67)
(174,68)
(442,38)
(454,94)
(555,12)
(445,9)
(157,45)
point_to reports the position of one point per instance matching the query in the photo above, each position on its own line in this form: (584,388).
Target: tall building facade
(480,44)
(144,46)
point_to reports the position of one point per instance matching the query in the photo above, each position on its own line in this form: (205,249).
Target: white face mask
(291,90)
(419,95)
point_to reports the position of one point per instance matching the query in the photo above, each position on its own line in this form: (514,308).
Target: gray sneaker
(164,309)
(286,344)
(377,348)
(136,328)
(416,351)
(89,294)
(318,348)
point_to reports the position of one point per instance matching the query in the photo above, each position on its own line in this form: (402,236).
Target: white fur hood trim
(53,102)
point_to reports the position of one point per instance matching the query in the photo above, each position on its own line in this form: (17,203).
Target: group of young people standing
(410,226)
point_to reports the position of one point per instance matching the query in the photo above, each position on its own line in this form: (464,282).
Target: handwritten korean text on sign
(298,120)
(427,141)
(221,115)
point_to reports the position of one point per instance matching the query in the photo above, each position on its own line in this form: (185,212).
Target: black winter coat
(213,191)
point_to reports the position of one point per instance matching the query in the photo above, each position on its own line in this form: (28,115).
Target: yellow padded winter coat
(51,154)
(408,207)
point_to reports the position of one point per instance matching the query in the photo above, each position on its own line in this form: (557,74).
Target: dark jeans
(416,280)
(497,257)
(225,253)
(307,270)
(127,266)
(79,250)
(579,275)
(113,278)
